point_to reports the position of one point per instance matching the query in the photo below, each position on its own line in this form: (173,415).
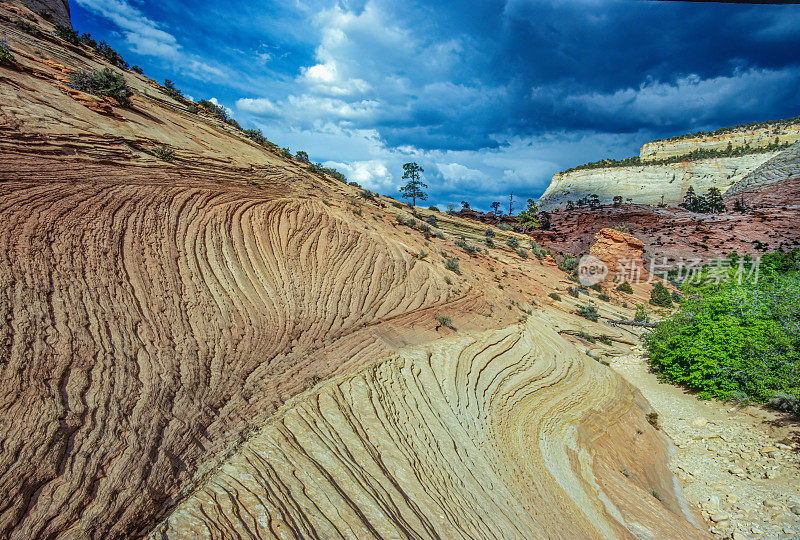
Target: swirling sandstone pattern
(148,326)
(507,434)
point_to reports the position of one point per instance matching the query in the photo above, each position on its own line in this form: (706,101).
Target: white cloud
(146,37)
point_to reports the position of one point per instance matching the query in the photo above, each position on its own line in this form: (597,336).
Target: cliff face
(755,137)
(645,184)
(58,10)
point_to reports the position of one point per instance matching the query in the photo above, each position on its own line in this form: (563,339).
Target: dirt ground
(740,465)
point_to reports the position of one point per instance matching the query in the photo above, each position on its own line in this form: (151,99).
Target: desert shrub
(573,291)
(604,339)
(587,337)
(433,208)
(452,265)
(432,220)
(113,57)
(555,296)
(255,135)
(29,28)
(604,297)
(596,287)
(218,111)
(171,91)
(538,252)
(489,233)
(422,254)
(137,70)
(505,227)
(65,33)
(489,243)
(588,312)
(660,295)
(301,156)
(732,336)
(444,320)
(462,243)
(6,58)
(569,264)
(641,314)
(785,402)
(102,83)
(164,153)
(625,287)
(367,194)
(512,242)
(448,280)
(522,253)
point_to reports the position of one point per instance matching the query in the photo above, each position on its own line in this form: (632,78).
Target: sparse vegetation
(604,297)
(445,321)
(605,339)
(587,337)
(462,243)
(625,287)
(652,419)
(452,265)
(569,264)
(103,83)
(555,296)
(512,242)
(588,312)
(6,58)
(164,153)
(522,253)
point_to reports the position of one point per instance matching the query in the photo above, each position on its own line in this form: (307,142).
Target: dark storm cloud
(491,95)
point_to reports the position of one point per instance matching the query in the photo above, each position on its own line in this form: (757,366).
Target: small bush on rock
(103,83)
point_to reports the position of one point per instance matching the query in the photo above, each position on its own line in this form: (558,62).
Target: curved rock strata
(508,434)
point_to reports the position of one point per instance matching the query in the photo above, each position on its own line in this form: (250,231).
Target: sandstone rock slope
(227,342)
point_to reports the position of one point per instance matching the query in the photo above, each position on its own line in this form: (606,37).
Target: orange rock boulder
(621,253)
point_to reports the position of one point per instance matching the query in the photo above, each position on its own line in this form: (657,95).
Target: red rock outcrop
(621,253)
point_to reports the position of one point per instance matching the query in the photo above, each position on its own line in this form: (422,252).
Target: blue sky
(488,96)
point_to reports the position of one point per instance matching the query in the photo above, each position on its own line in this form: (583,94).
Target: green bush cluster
(625,287)
(732,337)
(588,312)
(102,83)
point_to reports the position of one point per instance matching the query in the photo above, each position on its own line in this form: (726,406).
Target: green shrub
(505,227)
(625,287)
(573,291)
(137,70)
(113,57)
(605,339)
(588,312)
(462,243)
(489,243)
(6,58)
(641,314)
(604,297)
(218,111)
(452,265)
(29,28)
(660,295)
(587,337)
(522,253)
(422,254)
(164,153)
(730,337)
(555,296)
(444,320)
(596,287)
(433,208)
(65,33)
(103,83)
(431,220)
(489,233)
(512,242)
(569,264)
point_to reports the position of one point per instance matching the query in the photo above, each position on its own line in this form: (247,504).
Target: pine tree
(716,204)
(414,187)
(689,200)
